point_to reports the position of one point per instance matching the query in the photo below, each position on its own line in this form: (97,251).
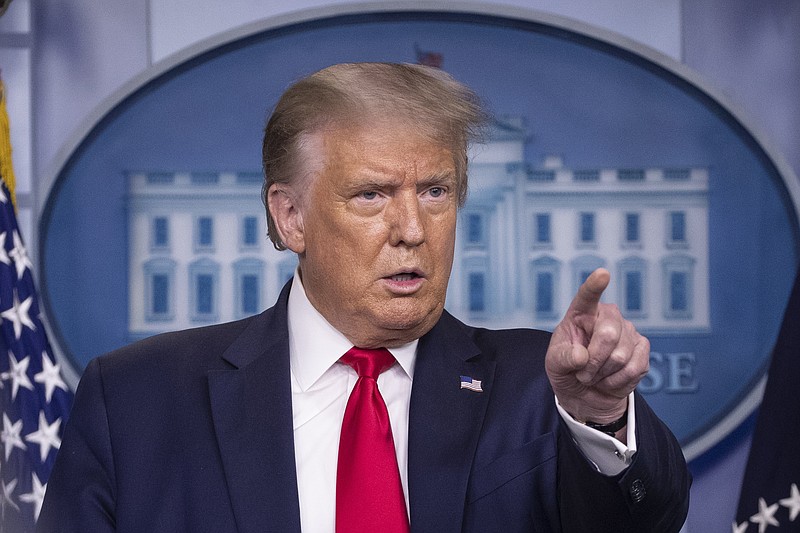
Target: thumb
(567,359)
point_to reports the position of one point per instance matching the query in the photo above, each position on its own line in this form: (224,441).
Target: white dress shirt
(321,387)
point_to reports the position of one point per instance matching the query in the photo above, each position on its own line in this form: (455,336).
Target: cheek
(445,239)
(341,253)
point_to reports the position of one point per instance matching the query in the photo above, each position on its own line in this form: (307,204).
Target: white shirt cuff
(609,455)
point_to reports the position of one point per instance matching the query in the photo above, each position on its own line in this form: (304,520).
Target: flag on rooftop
(428,58)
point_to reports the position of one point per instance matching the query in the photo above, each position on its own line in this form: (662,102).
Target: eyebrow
(438,177)
(379,180)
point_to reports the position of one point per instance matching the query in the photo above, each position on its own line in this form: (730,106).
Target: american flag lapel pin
(471,384)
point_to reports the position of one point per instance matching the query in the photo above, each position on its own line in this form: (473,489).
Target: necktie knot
(368,362)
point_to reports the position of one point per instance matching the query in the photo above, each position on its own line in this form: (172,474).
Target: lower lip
(403,287)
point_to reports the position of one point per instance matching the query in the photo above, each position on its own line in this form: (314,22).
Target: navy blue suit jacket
(192,431)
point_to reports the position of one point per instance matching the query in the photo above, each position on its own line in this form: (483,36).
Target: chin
(414,322)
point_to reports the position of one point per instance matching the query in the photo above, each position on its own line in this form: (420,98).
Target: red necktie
(369,495)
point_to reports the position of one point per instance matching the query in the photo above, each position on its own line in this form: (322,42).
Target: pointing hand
(596,357)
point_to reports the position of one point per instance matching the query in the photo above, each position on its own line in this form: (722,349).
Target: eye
(369,195)
(436,192)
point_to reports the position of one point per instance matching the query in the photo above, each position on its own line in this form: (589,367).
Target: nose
(406,223)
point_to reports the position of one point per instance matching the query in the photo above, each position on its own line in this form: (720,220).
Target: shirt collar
(315,345)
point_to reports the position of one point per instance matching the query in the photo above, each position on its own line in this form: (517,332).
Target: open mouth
(404,276)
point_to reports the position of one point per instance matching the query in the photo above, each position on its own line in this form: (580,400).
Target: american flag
(770,496)
(34,400)
(471,384)
(428,58)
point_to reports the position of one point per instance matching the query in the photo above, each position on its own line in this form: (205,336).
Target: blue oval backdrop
(598,157)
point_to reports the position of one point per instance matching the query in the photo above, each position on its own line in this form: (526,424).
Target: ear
(284,207)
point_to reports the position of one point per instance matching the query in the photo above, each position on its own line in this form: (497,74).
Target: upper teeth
(402,277)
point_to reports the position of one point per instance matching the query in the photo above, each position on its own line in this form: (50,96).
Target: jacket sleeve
(651,495)
(81,489)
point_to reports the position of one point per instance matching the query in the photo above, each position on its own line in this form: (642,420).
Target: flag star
(19,255)
(19,314)
(3,254)
(50,377)
(5,497)
(46,436)
(11,435)
(740,528)
(18,374)
(35,496)
(765,516)
(792,503)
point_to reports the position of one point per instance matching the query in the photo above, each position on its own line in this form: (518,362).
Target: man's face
(378,232)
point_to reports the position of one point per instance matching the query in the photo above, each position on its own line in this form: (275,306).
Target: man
(238,427)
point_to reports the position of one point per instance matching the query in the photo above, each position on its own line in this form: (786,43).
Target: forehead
(383,147)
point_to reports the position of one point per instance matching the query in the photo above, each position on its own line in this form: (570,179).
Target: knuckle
(606,330)
(644,367)
(625,380)
(618,357)
(644,342)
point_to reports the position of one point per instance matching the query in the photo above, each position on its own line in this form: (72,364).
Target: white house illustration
(527,237)
(198,251)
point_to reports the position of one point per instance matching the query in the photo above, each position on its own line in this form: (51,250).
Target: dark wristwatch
(611,428)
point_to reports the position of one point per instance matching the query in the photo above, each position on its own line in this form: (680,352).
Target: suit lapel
(444,424)
(252,412)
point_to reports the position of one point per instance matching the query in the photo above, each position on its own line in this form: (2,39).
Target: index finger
(588,297)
